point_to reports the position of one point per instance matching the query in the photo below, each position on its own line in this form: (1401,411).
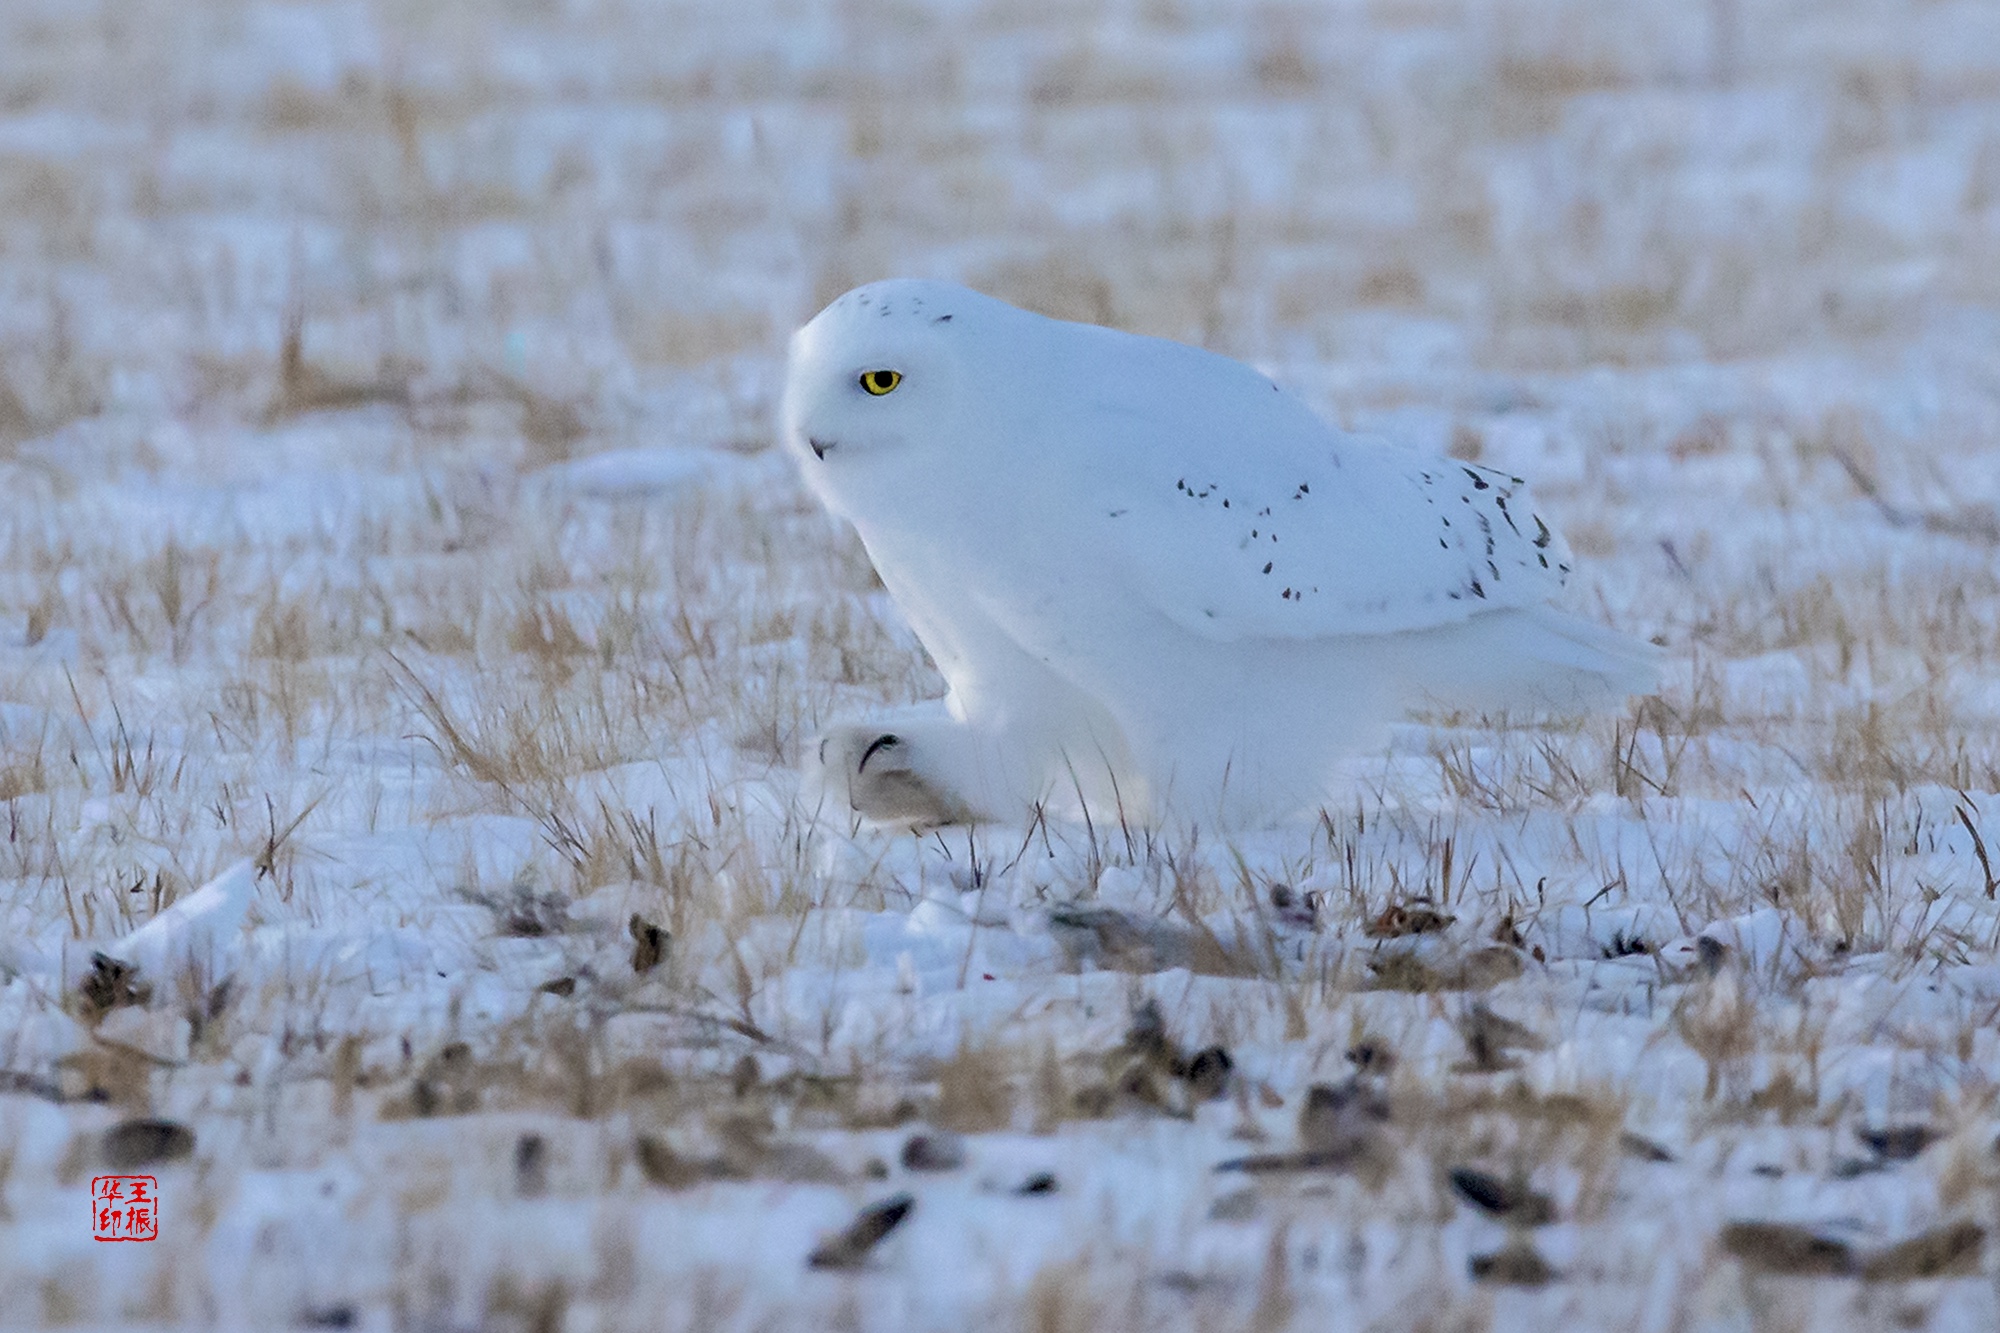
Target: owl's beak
(820,447)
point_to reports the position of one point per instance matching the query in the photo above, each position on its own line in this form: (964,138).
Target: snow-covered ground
(388,499)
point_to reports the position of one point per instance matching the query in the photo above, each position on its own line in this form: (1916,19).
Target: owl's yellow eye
(879,382)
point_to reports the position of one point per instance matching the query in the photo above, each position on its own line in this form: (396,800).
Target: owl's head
(884,371)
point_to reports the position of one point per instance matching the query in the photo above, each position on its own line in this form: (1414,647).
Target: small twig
(31,1085)
(1871,490)
(742,1027)
(1970,524)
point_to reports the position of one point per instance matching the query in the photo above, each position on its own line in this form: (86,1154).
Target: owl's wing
(1240,514)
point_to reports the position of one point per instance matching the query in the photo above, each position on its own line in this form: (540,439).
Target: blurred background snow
(388,495)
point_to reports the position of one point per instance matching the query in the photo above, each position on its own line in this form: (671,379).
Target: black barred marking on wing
(1483,491)
(1203,494)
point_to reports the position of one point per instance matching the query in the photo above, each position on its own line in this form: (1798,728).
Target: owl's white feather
(1154,580)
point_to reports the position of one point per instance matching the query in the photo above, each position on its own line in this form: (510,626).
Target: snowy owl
(1157,585)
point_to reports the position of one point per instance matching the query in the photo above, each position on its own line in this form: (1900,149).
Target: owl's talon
(882,742)
(882,776)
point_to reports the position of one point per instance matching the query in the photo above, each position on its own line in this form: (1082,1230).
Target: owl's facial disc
(854,412)
(873,376)
(874,383)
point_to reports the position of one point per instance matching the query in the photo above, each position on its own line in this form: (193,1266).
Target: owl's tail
(1531,660)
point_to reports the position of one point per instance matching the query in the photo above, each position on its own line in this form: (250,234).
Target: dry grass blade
(449,740)
(664,1167)
(1517,1264)
(1643,1148)
(1948,1251)
(1129,943)
(1398,919)
(137,1143)
(1964,813)
(1788,1249)
(1340,1127)
(940,1151)
(850,1247)
(649,943)
(1489,1037)
(303,387)
(1898,1143)
(266,859)
(1509,1200)
(112,983)
(1970,523)
(15,1083)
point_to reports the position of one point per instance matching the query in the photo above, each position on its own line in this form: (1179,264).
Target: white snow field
(390,500)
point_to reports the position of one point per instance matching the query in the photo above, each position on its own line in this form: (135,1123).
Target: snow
(393,678)
(202,931)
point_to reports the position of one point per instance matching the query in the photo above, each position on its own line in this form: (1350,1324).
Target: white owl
(1158,586)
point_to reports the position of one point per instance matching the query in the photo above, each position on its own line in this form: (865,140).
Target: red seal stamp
(124,1208)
